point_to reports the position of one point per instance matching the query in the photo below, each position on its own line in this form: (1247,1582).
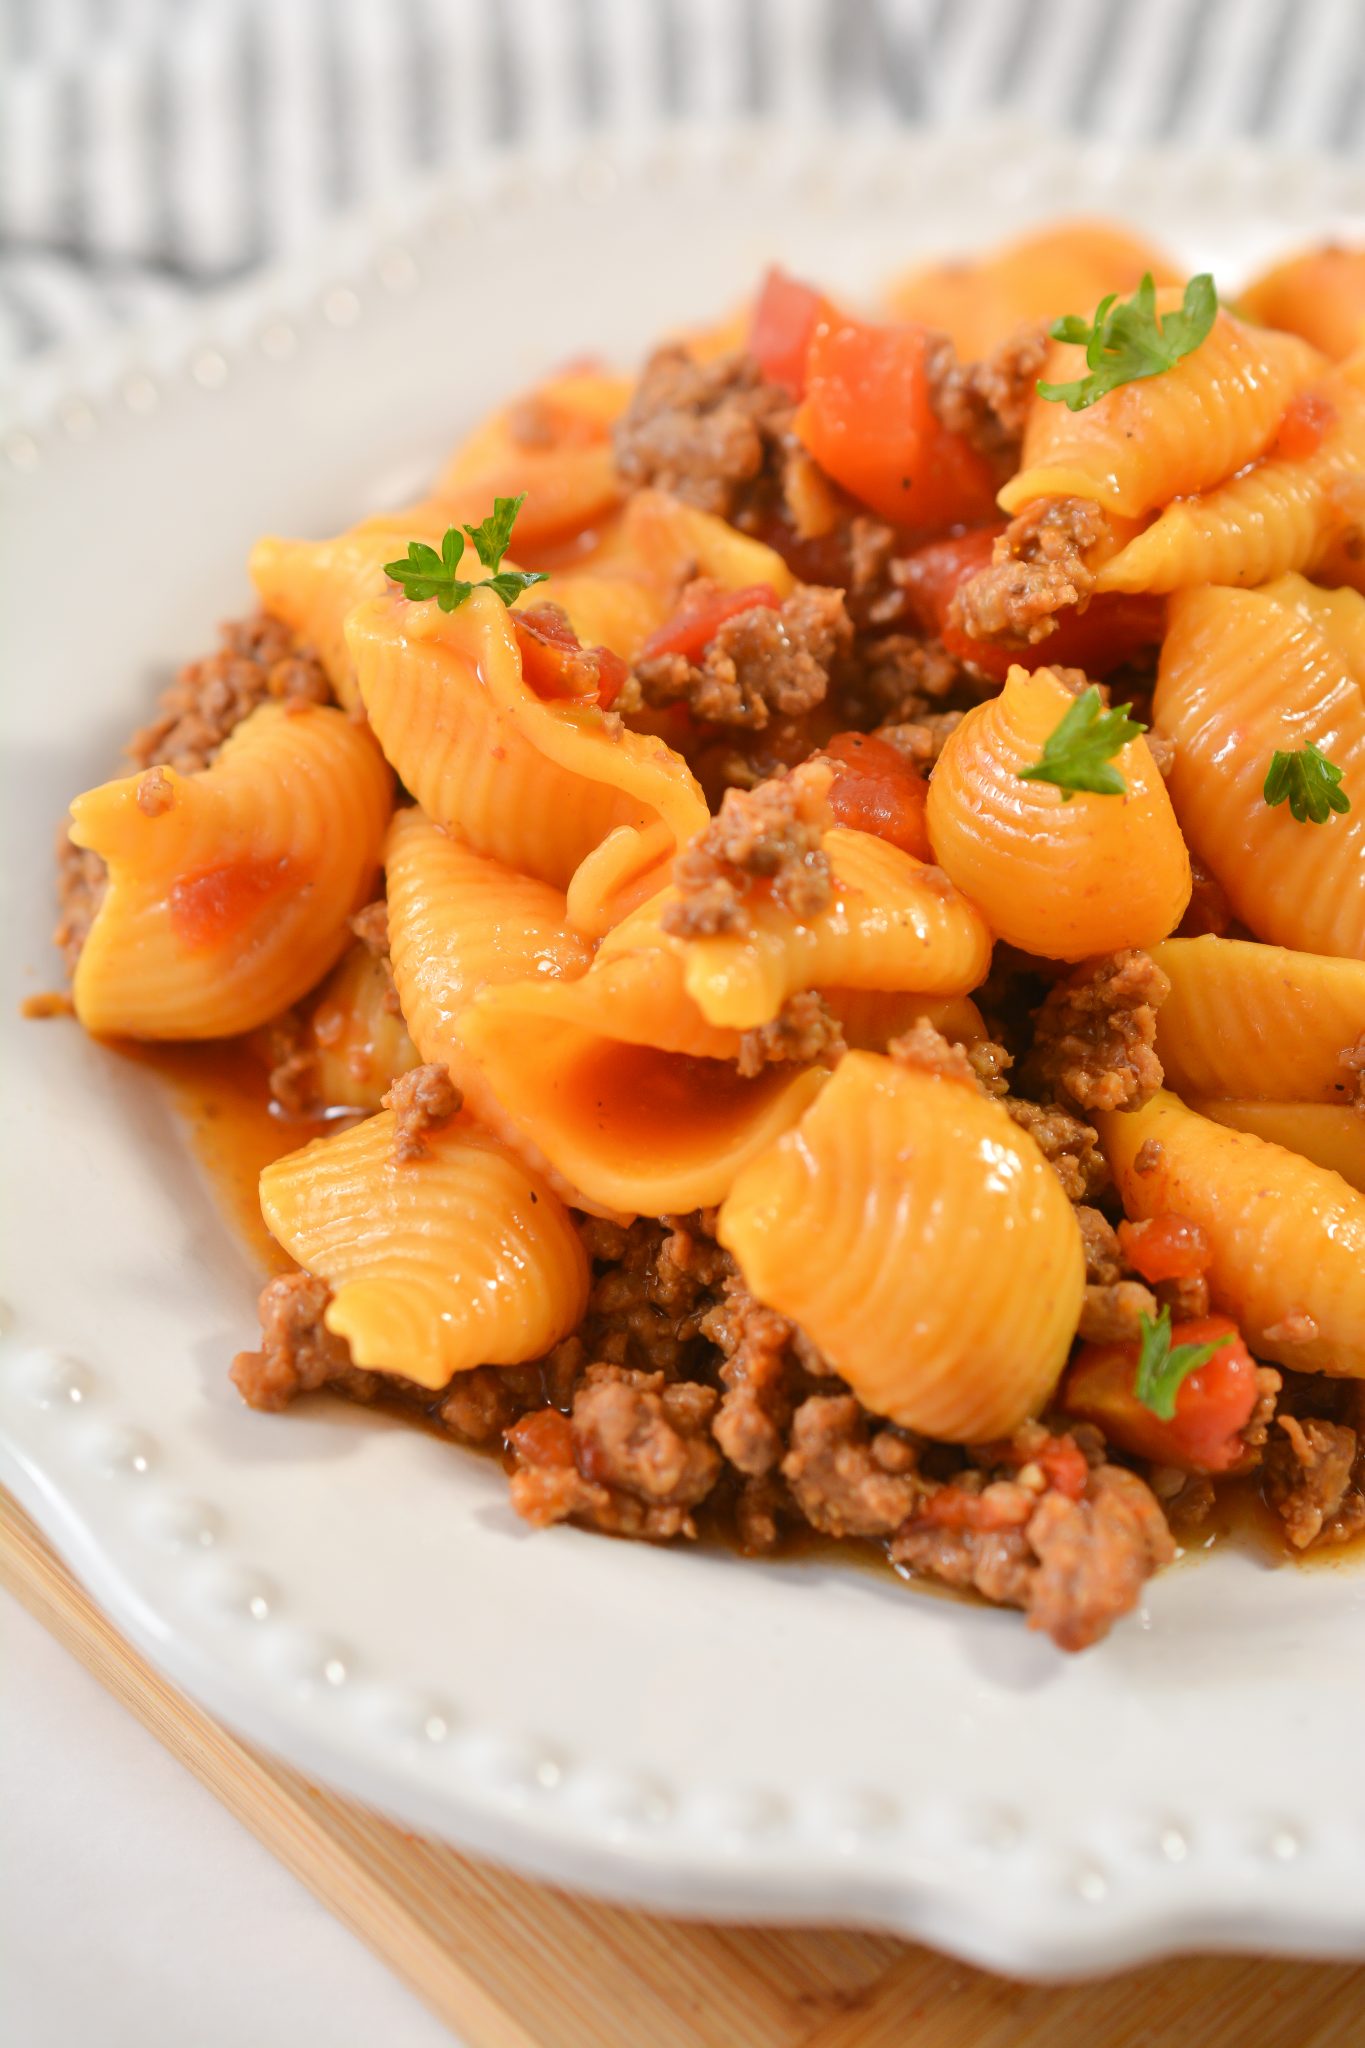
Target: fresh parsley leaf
(1163,1368)
(1128,341)
(1078,750)
(1308,782)
(426,574)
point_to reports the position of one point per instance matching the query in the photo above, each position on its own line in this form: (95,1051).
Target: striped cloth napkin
(152,148)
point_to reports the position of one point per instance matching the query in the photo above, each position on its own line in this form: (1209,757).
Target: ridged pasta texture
(1283,512)
(458,923)
(315,585)
(894,924)
(1319,294)
(1163,437)
(1334,1138)
(229,889)
(555,444)
(922,1243)
(1062,269)
(1062,879)
(1287,1236)
(1251,1020)
(625,1127)
(1242,675)
(463,1257)
(357,1039)
(536,785)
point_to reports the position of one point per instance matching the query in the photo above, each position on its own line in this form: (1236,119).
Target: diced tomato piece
(957,1507)
(544,1437)
(1165,1247)
(1060,1459)
(869,421)
(1212,1407)
(1306,419)
(786,316)
(1111,629)
(695,624)
(556,665)
(218,903)
(878,790)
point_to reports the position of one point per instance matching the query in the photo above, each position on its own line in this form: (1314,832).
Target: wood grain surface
(509,1964)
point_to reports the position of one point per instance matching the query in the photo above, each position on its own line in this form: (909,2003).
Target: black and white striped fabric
(151,148)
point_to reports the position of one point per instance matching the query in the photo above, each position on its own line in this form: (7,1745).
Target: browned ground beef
(422,1100)
(1095,1034)
(700,430)
(82,878)
(759,662)
(632,1458)
(1315,1480)
(1038,567)
(1074,1565)
(298,1354)
(259,659)
(988,402)
(767,836)
(804,1029)
(847,1476)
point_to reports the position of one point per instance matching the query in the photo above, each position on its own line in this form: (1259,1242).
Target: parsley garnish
(1308,782)
(426,574)
(1128,341)
(1077,752)
(1163,1368)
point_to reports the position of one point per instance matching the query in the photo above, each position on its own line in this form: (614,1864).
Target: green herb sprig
(1078,750)
(424,573)
(1308,782)
(1163,1367)
(1127,340)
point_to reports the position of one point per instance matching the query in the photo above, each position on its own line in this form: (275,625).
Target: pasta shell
(358,1042)
(461,1258)
(1287,1237)
(555,443)
(894,924)
(923,1244)
(1062,269)
(1319,294)
(1061,879)
(1330,1137)
(1242,675)
(1163,437)
(458,923)
(1279,514)
(229,891)
(314,586)
(623,1126)
(535,785)
(1243,1019)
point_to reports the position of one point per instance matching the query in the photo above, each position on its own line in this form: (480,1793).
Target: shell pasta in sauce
(801,918)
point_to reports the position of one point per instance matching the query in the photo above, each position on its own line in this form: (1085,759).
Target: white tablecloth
(136,1913)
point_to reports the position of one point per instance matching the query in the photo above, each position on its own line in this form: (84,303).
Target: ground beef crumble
(1038,567)
(763,661)
(1315,1480)
(422,1100)
(632,1458)
(988,402)
(804,1029)
(700,430)
(258,660)
(82,879)
(767,837)
(848,1477)
(298,1354)
(1095,1034)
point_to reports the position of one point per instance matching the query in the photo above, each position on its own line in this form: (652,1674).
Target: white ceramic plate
(690,1732)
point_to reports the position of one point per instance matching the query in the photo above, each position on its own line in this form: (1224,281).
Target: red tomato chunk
(691,629)
(786,316)
(1165,1248)
(877,790)
(555,665)
(1306,419)
(1212,1408)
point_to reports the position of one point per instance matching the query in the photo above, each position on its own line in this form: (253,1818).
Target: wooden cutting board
(509,1964)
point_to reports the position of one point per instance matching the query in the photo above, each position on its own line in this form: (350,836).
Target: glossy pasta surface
(793,932)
